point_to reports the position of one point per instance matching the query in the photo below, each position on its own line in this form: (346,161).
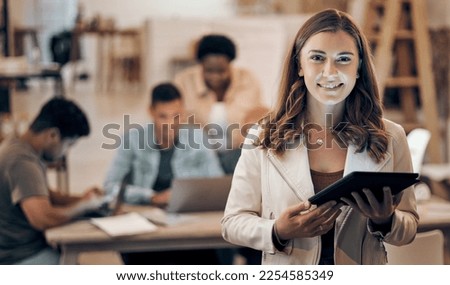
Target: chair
(418,140)
(26,43)
(426,249)
(125,57)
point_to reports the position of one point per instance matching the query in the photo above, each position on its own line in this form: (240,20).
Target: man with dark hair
(28,205)
(164,92)
(64,115)
(151,156)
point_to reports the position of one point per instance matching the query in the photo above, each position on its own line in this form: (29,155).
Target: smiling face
(329,63)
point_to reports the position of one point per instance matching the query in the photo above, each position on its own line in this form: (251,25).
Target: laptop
(110,207)
(199,194)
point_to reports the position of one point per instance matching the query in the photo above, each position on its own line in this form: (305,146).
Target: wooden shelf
(402,82)
(399,35)
(398,31)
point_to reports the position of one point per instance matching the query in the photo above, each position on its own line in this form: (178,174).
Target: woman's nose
(329,69)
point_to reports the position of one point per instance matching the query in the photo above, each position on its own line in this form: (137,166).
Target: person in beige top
(220,97)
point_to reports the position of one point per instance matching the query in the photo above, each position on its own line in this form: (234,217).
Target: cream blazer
(265,184)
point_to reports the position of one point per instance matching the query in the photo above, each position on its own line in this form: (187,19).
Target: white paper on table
(125,224)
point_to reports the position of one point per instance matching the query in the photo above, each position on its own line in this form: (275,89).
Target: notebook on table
(124,224)
(199,194)
(358,180)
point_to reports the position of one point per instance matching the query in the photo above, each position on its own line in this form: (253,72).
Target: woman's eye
(344,59)
(317,58)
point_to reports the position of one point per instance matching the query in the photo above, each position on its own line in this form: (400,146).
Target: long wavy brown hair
(362,121)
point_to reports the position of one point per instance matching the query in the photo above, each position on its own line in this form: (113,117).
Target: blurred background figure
(151,156)
(28,206)
(220,96)
(225,100)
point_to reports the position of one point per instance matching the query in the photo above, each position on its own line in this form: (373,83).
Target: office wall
(438,13)
(134,12)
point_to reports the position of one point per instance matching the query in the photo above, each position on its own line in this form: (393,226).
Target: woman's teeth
(330,86)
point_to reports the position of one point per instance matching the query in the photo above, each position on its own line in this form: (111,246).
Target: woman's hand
(306,220)
(379,213)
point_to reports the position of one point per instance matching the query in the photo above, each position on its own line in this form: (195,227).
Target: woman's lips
(330,85)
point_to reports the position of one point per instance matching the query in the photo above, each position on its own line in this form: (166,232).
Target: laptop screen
(199,194)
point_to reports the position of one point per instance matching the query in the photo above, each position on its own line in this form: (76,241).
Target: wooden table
(203,231)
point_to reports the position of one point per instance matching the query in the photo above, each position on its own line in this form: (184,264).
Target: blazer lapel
(361,161)
(293,166)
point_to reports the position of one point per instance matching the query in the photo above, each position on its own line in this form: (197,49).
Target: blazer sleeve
(242,223)
(406,218)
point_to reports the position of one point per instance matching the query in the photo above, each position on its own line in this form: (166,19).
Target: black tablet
(356,181)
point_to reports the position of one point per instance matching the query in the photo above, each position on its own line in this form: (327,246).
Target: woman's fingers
(323,216)
(300,208)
